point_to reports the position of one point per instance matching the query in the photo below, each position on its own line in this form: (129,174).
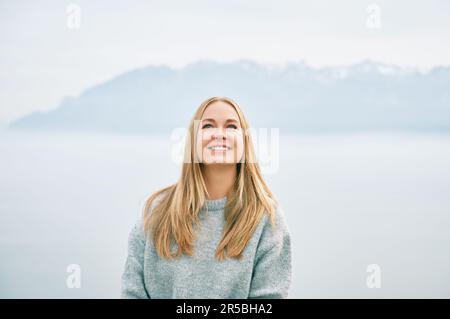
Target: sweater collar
(216,204)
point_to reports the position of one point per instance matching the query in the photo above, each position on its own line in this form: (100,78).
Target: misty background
(92,93)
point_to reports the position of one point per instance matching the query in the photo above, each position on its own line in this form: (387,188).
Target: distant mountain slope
(295,98)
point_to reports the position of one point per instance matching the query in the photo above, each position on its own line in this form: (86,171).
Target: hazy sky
(44,58)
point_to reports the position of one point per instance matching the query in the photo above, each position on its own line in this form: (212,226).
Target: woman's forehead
(220,110)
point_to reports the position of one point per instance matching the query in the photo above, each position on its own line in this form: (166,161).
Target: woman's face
(220,137)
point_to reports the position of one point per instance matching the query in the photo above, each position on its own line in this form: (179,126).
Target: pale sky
(42,59)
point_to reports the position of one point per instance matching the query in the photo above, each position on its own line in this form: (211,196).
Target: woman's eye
(206,125)
(233,126)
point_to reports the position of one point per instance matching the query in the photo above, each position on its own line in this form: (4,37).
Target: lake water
(351,200)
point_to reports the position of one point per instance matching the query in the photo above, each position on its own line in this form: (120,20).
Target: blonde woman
(217,233)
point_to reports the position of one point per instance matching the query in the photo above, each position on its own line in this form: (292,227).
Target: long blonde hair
(171,219)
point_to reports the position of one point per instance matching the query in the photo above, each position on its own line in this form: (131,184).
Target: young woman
(218,232)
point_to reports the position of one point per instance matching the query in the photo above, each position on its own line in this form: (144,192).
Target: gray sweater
(263,272)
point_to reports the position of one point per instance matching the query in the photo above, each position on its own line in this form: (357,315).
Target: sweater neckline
(216,204)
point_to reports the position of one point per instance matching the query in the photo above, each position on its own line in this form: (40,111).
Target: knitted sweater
(263,272)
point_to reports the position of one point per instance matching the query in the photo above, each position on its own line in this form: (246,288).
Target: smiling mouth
(219,148)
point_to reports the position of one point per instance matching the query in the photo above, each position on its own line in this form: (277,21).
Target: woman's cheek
(205,135)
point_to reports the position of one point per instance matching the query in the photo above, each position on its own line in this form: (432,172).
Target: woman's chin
(211,161)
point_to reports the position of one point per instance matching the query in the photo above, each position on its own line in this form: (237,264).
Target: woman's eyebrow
(213,120)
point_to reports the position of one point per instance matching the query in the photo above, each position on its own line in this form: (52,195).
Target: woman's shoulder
(274,237)
(137,233)
(274,224)
(153,200)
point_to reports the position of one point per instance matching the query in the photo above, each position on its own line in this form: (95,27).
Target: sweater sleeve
(271,276)
(133,275)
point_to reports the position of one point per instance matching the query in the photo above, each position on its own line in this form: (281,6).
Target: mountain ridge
(293,97)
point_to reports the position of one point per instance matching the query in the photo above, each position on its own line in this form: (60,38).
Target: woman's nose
(219,134)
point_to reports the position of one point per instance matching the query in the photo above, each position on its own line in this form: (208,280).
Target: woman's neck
(219,179)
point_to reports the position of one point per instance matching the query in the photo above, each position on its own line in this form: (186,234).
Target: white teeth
(219,148)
